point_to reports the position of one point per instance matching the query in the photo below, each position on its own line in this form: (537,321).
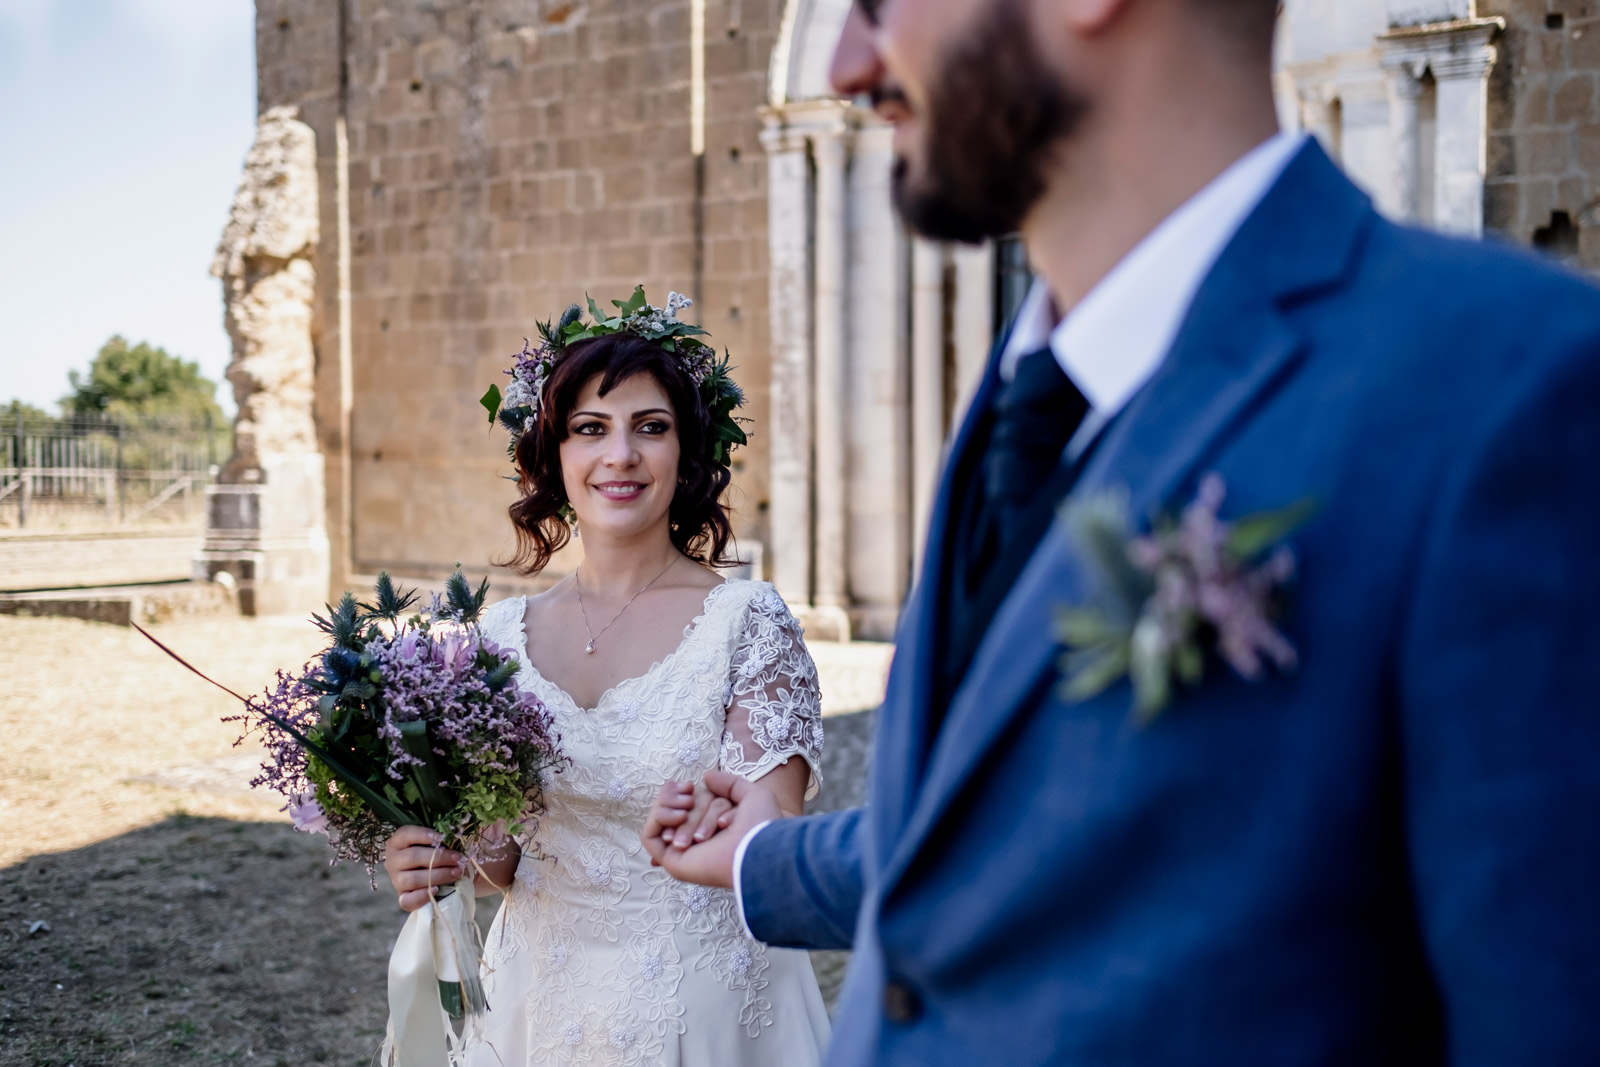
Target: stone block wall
(1543,175)
(503,158)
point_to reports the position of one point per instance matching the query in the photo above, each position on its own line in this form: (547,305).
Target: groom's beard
(994,116)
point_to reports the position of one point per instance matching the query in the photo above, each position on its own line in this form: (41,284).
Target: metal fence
(82,470)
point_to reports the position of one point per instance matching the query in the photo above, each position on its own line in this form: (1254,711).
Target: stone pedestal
(268,536)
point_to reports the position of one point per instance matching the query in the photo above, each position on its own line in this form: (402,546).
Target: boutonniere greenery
(1167,604)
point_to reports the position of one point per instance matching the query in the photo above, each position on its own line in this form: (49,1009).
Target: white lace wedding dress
(597,958)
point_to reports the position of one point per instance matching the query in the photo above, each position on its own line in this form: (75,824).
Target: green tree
(9,412)
(141,380)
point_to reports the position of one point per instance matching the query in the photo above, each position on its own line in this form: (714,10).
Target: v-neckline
(689,632)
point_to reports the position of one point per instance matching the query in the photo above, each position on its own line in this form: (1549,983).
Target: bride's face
(619,461)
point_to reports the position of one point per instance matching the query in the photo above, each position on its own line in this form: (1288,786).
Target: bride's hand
(415,863)
(710,862)
(683,814)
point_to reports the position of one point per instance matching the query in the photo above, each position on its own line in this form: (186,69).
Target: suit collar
(1113,340)
(1236,346)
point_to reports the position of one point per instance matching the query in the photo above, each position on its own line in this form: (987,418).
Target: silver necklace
(577,582)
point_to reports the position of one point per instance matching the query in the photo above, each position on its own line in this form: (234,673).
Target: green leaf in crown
(518,407)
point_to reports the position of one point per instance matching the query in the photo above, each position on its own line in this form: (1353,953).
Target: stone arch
(799,68)
(876,342)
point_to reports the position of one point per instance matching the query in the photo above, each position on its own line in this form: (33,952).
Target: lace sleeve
(774,705)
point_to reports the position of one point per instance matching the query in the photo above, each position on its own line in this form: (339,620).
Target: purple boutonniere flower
(1192,589)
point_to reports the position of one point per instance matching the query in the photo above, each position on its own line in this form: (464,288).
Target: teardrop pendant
(589,648)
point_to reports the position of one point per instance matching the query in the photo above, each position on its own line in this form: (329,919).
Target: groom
(1387,852)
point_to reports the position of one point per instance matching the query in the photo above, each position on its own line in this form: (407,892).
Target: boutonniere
(1195,589)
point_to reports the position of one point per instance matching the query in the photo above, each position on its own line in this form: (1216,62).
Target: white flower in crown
(651,317)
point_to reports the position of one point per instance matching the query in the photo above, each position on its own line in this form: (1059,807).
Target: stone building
(1473,116)
(483,162)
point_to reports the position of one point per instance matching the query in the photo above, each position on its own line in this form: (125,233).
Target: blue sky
(123,127)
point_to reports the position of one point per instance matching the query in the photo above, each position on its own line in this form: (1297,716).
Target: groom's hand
(709,862)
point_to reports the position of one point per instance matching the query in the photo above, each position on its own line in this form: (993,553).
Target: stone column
(1405,95)
(975,327)
(266,514)
(789,278)
(832,147)
(1319,114)
(1462,81)
(877,391)
(927,380)
(1460,54)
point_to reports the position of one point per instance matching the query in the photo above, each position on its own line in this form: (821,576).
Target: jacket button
(901,1003)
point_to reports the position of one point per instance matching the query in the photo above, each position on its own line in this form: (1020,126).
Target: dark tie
(1011,499)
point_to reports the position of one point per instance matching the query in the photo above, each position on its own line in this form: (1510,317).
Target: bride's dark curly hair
(699,522)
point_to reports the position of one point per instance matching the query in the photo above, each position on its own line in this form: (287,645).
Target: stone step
(56,559)
(123,605)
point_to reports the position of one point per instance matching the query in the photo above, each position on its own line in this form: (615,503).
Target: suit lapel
(1236,347)
(904,735)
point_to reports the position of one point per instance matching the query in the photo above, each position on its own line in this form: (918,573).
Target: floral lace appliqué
(589,958)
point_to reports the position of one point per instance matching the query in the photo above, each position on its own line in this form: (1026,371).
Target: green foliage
(391,602)
(464,604)
(723,395)
(342,623)
(489,799)
(1253,535)
(431,794)
(491,400)
(142,380)
(9,413)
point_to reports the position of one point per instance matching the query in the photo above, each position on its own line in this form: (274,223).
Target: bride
(655,669)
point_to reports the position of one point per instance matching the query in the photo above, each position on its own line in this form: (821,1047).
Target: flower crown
(518,410)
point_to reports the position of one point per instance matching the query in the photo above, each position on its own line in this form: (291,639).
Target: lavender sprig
(1169,599)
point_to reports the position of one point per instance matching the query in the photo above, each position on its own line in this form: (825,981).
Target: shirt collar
(1119,334)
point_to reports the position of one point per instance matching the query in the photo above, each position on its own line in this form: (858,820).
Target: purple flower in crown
(1168,601)
(517,409)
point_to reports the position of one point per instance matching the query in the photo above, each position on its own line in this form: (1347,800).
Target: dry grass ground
(187,923)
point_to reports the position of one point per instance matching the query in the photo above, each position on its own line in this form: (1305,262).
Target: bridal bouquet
(411,720)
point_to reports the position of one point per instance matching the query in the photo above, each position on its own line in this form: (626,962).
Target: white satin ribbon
(439,943)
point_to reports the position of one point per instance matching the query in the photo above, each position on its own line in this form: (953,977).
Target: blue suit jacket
(1390,856)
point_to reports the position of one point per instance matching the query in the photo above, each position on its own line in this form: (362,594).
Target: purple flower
(1198,588)
(483,731)
(454,652)
(308,815)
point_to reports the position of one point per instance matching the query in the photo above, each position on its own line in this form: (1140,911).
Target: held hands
(693,831)
(416,863)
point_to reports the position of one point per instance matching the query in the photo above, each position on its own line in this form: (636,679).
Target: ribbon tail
(419,1031)
(458,950)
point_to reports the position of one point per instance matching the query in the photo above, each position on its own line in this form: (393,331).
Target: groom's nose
(856,67)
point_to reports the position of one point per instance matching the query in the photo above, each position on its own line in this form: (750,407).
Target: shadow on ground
(195,940)
(205,940)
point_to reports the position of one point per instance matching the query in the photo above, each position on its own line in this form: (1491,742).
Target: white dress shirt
(1117,336)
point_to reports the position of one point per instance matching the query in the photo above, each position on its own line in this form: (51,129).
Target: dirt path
(89,713)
